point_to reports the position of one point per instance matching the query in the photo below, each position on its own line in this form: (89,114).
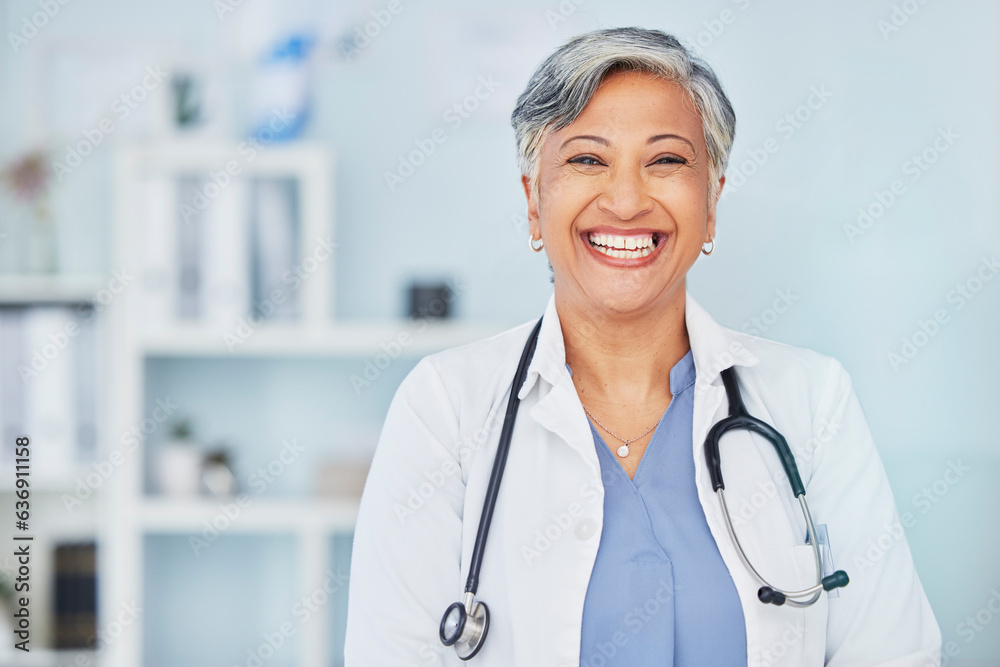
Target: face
(623,205)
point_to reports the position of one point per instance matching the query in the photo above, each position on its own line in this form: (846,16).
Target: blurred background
(229,228)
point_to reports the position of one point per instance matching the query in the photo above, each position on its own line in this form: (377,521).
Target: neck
(624,358)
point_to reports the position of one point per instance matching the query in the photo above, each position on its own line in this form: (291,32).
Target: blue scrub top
(660,594)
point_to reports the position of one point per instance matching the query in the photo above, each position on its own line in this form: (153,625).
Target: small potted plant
(178,470)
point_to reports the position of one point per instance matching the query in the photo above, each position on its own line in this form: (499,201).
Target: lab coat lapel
(558,408)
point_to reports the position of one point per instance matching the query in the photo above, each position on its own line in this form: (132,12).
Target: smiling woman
(598,442)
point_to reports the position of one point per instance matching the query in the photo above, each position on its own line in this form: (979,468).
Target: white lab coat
(421,505)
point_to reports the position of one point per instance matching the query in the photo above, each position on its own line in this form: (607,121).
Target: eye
(670,159)
(587,160)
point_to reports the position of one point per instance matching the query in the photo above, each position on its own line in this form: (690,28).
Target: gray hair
(562,86)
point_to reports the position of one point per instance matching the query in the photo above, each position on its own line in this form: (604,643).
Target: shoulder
(791,373)
(474,375)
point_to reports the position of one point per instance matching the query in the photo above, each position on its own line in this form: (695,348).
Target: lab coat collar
(714,347)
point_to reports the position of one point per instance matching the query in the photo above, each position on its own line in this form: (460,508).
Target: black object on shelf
(75,608)
(430,300)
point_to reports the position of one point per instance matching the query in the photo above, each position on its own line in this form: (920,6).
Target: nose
(626,194)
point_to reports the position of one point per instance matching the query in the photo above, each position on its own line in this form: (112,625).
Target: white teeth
(627,247)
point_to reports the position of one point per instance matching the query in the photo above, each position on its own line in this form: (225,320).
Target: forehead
(637,101)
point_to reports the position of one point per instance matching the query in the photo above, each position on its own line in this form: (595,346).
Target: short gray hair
(562,86)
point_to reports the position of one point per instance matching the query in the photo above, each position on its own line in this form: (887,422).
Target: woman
(608,544)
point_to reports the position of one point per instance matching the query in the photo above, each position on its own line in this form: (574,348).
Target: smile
(627,247)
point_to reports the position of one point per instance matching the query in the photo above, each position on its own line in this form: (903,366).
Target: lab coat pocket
(803,639)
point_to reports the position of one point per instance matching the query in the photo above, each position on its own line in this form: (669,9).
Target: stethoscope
(465,624)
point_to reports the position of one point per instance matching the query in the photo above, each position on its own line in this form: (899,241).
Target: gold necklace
(623,450)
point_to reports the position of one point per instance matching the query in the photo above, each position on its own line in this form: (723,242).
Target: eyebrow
(604,142)
(590,137)
(659,137)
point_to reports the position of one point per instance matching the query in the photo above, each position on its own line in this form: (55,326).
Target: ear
(711,208)
(533,225)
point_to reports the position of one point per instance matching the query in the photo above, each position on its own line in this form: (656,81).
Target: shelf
(196,156)
(27,289)
(46,657)
(411,337)
(259,516)
(66,482)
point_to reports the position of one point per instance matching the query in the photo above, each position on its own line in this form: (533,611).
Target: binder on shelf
(158,208)
(49,387)
(75,600)
(11,393)
(86,384)
(46,375)
(275,248)
(187,258)
(225,257)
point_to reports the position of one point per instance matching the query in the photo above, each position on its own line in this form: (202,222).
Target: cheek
(561,201)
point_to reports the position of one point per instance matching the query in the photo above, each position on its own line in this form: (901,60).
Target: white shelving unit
(51,523)
(315,335)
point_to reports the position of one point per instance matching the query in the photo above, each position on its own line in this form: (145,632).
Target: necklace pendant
(623,451)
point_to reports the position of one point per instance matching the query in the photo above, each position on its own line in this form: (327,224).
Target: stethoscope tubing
(499,463)
(815,590)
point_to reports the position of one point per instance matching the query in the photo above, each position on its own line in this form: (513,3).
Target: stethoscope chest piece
(464,629)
